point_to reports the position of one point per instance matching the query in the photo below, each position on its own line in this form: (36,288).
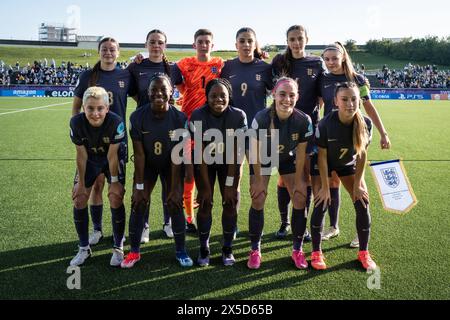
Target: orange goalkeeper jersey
(193,75)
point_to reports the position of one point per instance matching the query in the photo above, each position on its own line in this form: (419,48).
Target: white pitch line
(36,108)
(16,109)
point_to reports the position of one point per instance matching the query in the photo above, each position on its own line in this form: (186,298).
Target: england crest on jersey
(214,70)
(390,176)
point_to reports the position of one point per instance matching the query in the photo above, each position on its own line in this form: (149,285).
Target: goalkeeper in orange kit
(191,76)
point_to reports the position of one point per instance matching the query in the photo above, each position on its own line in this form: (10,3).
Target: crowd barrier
(409,94)
(376,93)
(37,91)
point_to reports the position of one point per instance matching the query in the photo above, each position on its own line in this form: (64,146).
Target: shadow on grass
(41,272)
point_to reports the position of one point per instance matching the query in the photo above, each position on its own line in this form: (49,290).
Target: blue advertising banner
(375,93)
(22,93)
(409,94)
(37,91)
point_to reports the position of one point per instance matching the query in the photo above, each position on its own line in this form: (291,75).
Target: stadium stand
(414,76)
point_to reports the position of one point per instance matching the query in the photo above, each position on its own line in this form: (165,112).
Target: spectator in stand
(39,73)
(414,76)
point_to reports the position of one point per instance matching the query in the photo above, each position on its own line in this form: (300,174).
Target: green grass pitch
(38,238)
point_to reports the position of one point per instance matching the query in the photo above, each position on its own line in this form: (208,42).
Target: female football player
(294,130)
(250,77)
(219,161)
(152,127)
(340,69)
(191,74)
(343,137)
(98,135)
(119,84)
(306,70)
(142,72)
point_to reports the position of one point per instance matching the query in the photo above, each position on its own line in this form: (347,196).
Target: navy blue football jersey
(250,82)
(142,73)
(118,83)
(227,123)
(337,138)
(97,139)
(298,128)
(328,83)
(307,72)
(156,133)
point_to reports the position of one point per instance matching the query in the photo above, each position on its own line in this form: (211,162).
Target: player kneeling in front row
(220,116)
(343,137)
(151,129)
(99,138)
(294,131)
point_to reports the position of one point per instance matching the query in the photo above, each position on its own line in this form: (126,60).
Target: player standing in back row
(250,78)
(143,71)
(340,69)
(191,76)
(119,84)
(307,71)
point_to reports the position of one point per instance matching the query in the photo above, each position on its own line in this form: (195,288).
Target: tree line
(429,49)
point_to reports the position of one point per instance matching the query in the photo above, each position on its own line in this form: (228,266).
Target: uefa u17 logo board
(390,176)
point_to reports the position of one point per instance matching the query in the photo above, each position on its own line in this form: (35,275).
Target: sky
(326,21)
